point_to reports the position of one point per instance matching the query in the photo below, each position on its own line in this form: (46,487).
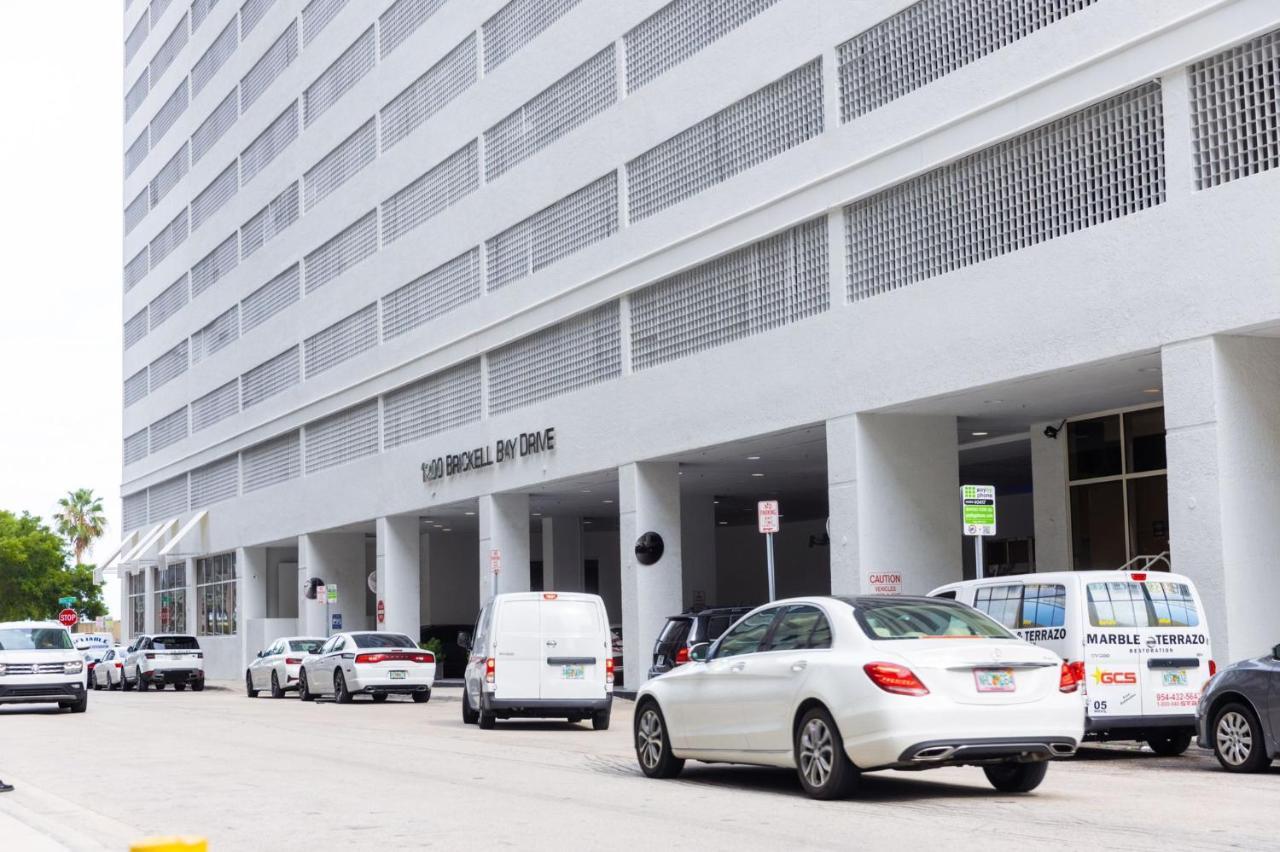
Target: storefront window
(171,599)
(216,595)
(137,587)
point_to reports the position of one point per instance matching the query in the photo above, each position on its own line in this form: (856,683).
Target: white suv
(157,660)
(39,663)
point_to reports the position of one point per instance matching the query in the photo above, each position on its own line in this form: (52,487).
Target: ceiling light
(753,458)
(1151,390)
(448,529)
(586,491)
(979,434)
(757,474)
(608,501)
(715,502)
(992,401)
(537,514)
(724,523)
(468,513)
(1148,369)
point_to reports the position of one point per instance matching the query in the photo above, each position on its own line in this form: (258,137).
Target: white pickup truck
(39,664)
(167,658)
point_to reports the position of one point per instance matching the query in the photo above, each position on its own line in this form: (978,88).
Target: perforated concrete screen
(350,246)
(251,12)
(270,462)
(271,377)
(137,210)
(347,70)
(444,288)
(170,111)
(441,187)
(219,191)
(344,339)
(762,286)
(217,405)
(168,430)
(316,15)
(581,351)
(136,269)
(264,72)
(341,437)
(430,93)
(135,39)
(168,51)
(135,446)
(135,387)
(135,328)
(212,128)
(156,10)
(518,23)
(341,164)
(215,265)
(1092,166)
(279,134)
(679,30)
(200,10)
(216,335)
(136,152)
(431,405)
(1235,111)
(169,366)
(137,94)
(134,512)
(166,499)
(402,19)
(213,482)
(270,221)
(169,175)
(170,237)
(170,300)
(268,300)
(214,58)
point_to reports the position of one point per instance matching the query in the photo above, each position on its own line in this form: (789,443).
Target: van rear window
(1021,606)
(1150,604)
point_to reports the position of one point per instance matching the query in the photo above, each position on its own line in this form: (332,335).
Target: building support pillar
(399,569)
(336,558)
(192,609)
(251,576)
(504,528)
(1050,499)
(649,501)
(149,620)
(562,554)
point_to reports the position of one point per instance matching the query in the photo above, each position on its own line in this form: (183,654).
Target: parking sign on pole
(769,521)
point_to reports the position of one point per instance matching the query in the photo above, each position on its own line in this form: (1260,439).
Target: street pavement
(264,774)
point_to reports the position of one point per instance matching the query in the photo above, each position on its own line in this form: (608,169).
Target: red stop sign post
(382,612)
(69,618)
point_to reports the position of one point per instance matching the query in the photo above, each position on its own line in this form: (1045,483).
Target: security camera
(1052,431)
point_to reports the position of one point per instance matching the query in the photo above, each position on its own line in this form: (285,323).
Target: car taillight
(1139,577)
(293,661)
(1069,678)
(151,656)
(119,665)
(891,677)
(424,658)
(608,670)
(490,666)
(1077,670)
(682,656)
(1213,668)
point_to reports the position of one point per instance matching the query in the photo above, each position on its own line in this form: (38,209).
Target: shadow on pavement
(874,787)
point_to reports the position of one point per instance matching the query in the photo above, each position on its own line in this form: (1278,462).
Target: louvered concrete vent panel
(1235,112)
(135,39)
(929,40)
(170,48)
(172,109)
(761,126)
(217,335)
(336,80)
(219,191)
(137,94)
(168,430)
(136,153)
(444,288)
(272,64)
(135,328)
(222,119)
(570,102)
(568,226)
(137,210)
(135,447)
(169,175)
(251,12)
(443,186)
(355,243)
(430,93)
(215,265)
(270,221)
(342,437)
(583,350)
(156,11)
(135,270)
(1098,164)
(215,482)
(401,20)
(135,387)
(170,237)
(270,299)
(316,15)
(169,366)
(442,401)
(170,301)
(271,462)
(341,164)
(270,377)
(344,339)
(167,499)
(214,58)
(200,10)
(279,135)
(215,406)
(518,23)
(134,511)
(765,285)
(679,30)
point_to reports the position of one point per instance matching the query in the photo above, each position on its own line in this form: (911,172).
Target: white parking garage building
(417,289)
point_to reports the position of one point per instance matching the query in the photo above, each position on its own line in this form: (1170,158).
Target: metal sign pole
(977,556)
(768,539)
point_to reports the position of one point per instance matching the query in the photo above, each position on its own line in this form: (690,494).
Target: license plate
(397,675)
(994,680)
(573,672)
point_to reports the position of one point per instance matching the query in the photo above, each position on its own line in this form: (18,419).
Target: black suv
(687,629)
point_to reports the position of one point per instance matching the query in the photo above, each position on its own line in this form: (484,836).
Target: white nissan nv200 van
(1137,641)
(542,655)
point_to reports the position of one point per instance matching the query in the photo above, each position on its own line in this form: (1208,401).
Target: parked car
(836,686)
(39,663)
(371,663)
(106,674)
(1239,714)
(92,655)
(276,667)
(615,641)
(687,629)
(451,662)
(165,658)
(1138,641)
(541,655)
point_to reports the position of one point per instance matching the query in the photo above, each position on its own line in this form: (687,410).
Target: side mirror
(262,654)
(1275,652)
(464,640)
(698,653)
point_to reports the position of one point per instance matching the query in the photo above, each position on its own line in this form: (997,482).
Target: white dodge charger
(837,686)
(371,663)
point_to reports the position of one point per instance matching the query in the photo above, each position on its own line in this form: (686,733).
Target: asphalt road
(265,774)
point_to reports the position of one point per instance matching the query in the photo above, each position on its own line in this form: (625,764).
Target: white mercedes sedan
(106,674)
(838,686)
(367,663)
(276,667)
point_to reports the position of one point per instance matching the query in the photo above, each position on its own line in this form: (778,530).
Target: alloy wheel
(817,753)
(1235,738)
(649,738)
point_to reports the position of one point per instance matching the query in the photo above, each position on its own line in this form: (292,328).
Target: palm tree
(81,520)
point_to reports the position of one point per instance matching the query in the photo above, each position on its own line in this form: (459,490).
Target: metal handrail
(1152,559)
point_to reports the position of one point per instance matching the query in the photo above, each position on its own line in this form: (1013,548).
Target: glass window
(1093,447)
(949,595)
(1172,604)
(717,625)
(305,646)
(171,598)
(1149,515)
(1043,605)
(383,640)
(35,639)
(674,630)
(1119,604)
(746,637)
(1144,440)
(328,646)
(923,620)
(1097,526)
(795,628)
(175,643)
(216,595)
(1000,602)
(137,586)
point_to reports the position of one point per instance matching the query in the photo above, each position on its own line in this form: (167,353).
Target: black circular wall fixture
(649,548)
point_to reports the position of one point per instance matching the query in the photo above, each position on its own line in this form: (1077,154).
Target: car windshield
(175,643)
(937,619)
(305,646)
(383,640)
(35,639)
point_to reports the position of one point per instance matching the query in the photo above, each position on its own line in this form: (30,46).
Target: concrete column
(698,549)
(1222,439)
(251,600)
(192,609)
(562,554)
(649,501)
(504,527)
(1050,500)
(126,612)
(894,503)
(335,558)
(150,621)
(399,566)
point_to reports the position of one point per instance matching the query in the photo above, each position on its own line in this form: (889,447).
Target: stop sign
(382,612)
(69,617)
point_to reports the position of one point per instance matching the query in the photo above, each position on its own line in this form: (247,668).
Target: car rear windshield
(1151,604)
(306,646)
(175,643)
(35,639)
(674,631)
(383,640)
(940,619)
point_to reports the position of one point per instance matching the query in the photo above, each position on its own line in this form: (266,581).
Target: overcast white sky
(62,94)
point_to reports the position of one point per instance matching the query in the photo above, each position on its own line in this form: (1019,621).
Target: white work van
(540,655)
(1137,641)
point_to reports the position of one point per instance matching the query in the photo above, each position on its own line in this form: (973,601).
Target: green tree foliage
(81,520)
(34,572)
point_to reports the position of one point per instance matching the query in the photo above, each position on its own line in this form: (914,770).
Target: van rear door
(517,648)
(575,646)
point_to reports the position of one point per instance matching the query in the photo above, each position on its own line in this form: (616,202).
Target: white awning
(127,541)
(182,533)
(149,540)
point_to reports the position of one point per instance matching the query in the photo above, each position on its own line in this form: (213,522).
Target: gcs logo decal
(1114,678)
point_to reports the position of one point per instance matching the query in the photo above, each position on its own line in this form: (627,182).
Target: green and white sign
(978,509)
(66,601)
(332,591)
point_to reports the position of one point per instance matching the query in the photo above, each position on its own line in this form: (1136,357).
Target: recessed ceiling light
(537,514)
(586,491)
(715,502)
(588,523)
(757,474)
(1148,369)
(753,458)
(468,513)
(979,434)
(608,501)
(724,523)
(1151,390)
(448,529)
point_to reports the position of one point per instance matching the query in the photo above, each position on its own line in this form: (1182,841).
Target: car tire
(422,697)
(1238,740)
(142,683)
(198,686)
(487,720)
(304,692)
(179,686)
(276,691)
(600,720)
(1171,744)
(825,771)
(112,684)
(379,697)
(1016,777)
(340,692)
(248,686)
(469,714)
(124,683)
(653,742)
(81,705)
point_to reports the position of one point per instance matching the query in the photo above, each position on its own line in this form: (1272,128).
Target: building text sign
(502,450)
(978,505)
